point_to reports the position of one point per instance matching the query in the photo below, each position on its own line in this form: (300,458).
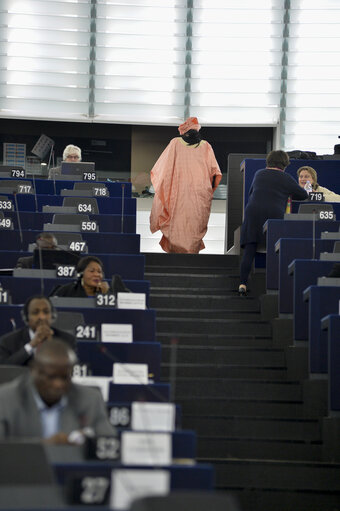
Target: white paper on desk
(128,485)
(131,300)
(146,448)
(102,382)
(116,332)
(153,416)
(127,374)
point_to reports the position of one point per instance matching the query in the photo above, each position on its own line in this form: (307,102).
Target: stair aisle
(232,382)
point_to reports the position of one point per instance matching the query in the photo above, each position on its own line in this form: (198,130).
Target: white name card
(153,416)
(102,382)
(146,448)
(113,332)
(131,300)
(128,485)
(136,374)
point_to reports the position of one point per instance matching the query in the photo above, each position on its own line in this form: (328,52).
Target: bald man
(44,240)
(46,404)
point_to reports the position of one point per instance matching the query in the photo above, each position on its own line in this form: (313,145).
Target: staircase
(232,382)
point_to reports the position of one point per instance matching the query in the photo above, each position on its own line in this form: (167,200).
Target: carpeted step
(224,371)
(218,326)
(250,389)
(214,340)
(286,500)
(250,448)
(279,475)
(234,355)
(198,300)
(212,314)
(225,405)
(270,428)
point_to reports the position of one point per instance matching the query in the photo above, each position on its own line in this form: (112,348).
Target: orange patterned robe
(182,178)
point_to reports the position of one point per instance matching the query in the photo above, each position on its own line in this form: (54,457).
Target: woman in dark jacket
(90,275)
(268,196)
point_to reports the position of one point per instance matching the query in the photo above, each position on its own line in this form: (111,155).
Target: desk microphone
(18,218)
(103,349)
(35,194)
(42,287)
(122,218)
(173,367)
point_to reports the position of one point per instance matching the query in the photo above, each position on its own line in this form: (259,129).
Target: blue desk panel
(156,393)
(46,186)
(305,273)
(100,362)
(197,477)
(127,266)
(110,206)
(143,321)
(277,229)
(19,286)
(290,249)
(120,415)
(331,324)
(106,223)
(322,300)
(336,207)
(328,172)
(112,243)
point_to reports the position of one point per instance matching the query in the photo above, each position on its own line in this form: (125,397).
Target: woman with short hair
(268,196)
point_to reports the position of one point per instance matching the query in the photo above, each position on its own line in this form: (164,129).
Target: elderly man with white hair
(72,153)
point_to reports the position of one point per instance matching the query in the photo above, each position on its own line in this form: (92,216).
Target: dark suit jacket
(12,349)
(25,262)
(335,272)
(268,196)
(20,417)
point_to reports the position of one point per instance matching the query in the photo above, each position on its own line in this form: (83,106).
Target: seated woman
(307,173)
(72,153)
(90,274)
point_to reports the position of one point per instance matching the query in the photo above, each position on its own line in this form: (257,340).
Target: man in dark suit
(44,240)
(19,347)
(335,272)
(46,404)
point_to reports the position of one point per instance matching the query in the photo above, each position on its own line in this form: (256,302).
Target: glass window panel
(144,114)
(139,83)
(36,92)
(44,65)
(237,72)
(306,142)
(137,55)
(313,72)
(142,97)
(44,108)
(47,79)
(231,116)
(313,114)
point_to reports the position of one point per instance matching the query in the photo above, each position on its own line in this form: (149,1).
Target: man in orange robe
(184,178)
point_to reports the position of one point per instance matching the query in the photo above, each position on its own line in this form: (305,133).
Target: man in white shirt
(46,404)
(18,347)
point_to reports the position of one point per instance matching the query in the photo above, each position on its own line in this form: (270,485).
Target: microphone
(42,287)
(35,194)
(113,358)
(18,218)
(173,367)
(13,322)
(122,218)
